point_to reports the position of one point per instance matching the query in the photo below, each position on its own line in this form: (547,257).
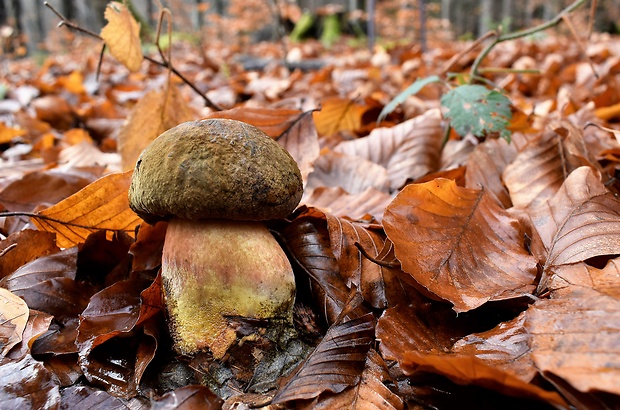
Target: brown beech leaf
(486,165)
(459,244)
(505,347)
(86,397)
(307,239)
(122,35)
(272,121)
(38,323)
(62,264)
(581,221)
(575,335)
(370,393)
(335,364)
(335,200)
(154,113)
(102,205)
(353,174)
(29,245)
(148,247)
(13,319)
(463,369)
(338,114)
(112,312)
(377,284)
(27,384)
(408,150)
(188,398)
(36,188)
(302,142)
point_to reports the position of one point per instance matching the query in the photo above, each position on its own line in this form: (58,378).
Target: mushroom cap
(215,168)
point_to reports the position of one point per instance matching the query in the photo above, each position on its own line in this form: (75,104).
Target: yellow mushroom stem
(215,268)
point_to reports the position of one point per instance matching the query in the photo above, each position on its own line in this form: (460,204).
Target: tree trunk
(422,4)
(485,19)
(507,17)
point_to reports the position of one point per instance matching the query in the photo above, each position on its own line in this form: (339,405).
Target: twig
(7,249)
(73,26)
(524,33)
(457,57)
(385,264)
(582,48)
(64,223)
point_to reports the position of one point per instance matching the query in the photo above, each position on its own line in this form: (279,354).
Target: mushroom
(215,181)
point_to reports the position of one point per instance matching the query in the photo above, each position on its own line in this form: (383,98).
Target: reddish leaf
(307,238)
(38,323)
(273,122)
(58,265)
(84,397)
(471,370)
(377,284)
(459,244)
(29,245)
(336,363)
(148,247)
(36,188)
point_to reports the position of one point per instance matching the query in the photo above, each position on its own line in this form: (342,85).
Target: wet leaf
(459,244)
(102,205)
(58,265)
(122,35)
(27,383)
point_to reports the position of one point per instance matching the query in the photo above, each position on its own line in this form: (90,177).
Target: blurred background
(28,26)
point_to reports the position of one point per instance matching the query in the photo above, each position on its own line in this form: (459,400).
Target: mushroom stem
(213,269)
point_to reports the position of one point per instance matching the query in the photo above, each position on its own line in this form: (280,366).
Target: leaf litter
(431,267)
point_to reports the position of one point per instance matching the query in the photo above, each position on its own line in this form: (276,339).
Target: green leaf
(476,109)
(406,93)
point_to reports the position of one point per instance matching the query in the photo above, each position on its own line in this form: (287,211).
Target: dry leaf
(122,36)
(102,205)
(408,150)
(13,319)
(459,244)
(581,221)
(155,112)
(338,114)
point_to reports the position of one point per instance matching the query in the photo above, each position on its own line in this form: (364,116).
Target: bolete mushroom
(214,181)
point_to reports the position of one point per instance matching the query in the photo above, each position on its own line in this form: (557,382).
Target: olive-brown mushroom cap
(216,168)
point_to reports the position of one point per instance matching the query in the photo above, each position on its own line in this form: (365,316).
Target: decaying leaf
(459,244)
(122,35)
(102,205)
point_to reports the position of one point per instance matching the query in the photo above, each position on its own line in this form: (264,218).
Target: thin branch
(524,33)
(73,26)
(64,223)
(457,57)
(582,47)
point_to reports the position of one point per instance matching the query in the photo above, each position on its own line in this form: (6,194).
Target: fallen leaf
(459,244)
(13,319)
(408,150)
(335,364)
(338,114)
(581,221)
(102,205)
(27,383)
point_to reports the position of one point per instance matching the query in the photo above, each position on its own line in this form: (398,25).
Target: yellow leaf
(102,204)
(153,114)
(338,114)
(122,36)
